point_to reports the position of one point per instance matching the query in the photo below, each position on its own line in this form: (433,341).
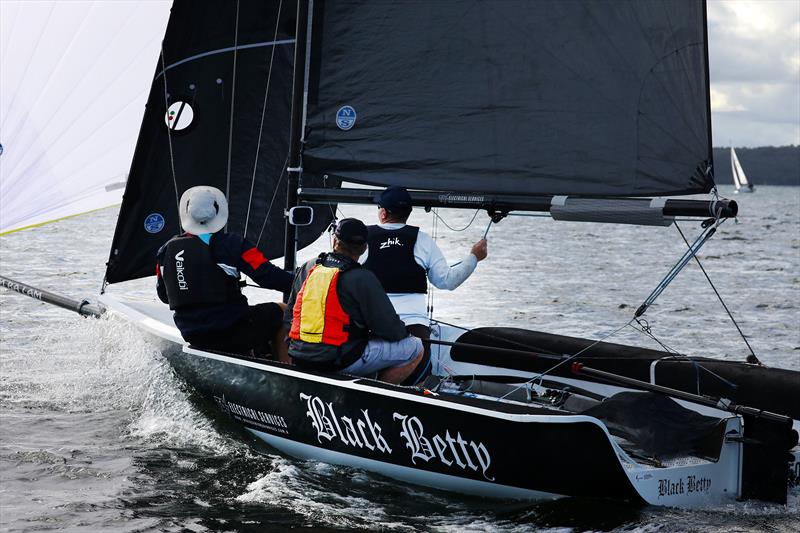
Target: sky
(754,60)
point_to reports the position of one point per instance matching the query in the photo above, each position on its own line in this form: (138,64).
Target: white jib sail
(73,84)
(739,178)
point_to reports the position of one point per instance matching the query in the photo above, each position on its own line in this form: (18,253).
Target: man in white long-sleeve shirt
(403,258)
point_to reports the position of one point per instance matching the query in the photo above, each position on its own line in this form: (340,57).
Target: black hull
(742,383)
(507,452)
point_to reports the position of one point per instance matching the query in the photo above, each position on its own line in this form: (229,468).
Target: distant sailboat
(739,177)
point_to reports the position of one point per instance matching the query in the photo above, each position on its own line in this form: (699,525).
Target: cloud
(754,60)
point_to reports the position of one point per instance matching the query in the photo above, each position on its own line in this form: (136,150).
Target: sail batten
(548,97)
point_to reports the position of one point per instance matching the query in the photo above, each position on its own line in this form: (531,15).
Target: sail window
(179,116)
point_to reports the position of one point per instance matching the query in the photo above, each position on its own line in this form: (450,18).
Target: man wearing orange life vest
(341,319)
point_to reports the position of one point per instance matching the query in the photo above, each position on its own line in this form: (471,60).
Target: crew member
(404,258)
(341,319)
(198,276)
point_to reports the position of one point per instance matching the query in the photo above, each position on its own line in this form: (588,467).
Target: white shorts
(380,354)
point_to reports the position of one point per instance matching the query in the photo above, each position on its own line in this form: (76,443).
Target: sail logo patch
(153,223)
(179,116)
(346,117)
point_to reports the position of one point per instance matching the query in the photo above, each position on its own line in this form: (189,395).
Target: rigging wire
(752,358)
(565,361)
(272,201)
(434,236)
(263,114)
(647,330)
(233,98)
(169,137)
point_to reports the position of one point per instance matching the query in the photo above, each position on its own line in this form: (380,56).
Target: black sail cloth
(198,53)
(553,97)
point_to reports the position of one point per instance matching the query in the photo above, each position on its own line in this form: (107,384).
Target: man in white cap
(198,276)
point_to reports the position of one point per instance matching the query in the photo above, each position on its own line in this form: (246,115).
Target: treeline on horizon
(765,165)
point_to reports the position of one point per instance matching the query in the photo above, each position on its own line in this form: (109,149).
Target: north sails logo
(182,285)
(391,242)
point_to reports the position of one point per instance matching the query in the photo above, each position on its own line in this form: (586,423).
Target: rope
(233,98)
(565,361)
(169,138)
(263,114)
(647,330)
(752,358)
(436,215)
(642,323)
(485,233)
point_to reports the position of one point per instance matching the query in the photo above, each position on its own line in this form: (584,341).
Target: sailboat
(739,177)
(573,109)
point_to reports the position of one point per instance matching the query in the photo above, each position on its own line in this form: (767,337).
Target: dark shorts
(252,334)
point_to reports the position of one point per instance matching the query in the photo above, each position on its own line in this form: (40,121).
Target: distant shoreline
(765,165)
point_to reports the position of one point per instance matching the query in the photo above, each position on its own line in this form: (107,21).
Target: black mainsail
(219,60)
(553,97)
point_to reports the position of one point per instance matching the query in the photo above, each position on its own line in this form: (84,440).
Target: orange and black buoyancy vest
(317,316)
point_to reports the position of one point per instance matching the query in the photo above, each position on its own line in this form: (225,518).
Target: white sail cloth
(73,84)
(739,177)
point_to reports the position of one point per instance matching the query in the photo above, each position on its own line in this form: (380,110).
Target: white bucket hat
(203,210)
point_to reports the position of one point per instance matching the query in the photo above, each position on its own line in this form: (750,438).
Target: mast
(294,170)
(707,74)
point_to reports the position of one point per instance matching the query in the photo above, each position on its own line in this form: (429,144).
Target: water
(98,434)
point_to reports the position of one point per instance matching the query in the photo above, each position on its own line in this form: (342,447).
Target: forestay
(553,97)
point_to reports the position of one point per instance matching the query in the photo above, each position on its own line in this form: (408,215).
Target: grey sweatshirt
(362,297)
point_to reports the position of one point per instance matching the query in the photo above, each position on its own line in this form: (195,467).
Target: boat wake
(324,494)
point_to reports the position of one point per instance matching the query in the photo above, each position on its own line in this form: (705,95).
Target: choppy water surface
(98,434)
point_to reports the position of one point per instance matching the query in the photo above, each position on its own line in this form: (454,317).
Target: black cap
(351,231)
(394,198)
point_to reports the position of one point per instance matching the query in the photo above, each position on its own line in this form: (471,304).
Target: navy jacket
(233,251)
